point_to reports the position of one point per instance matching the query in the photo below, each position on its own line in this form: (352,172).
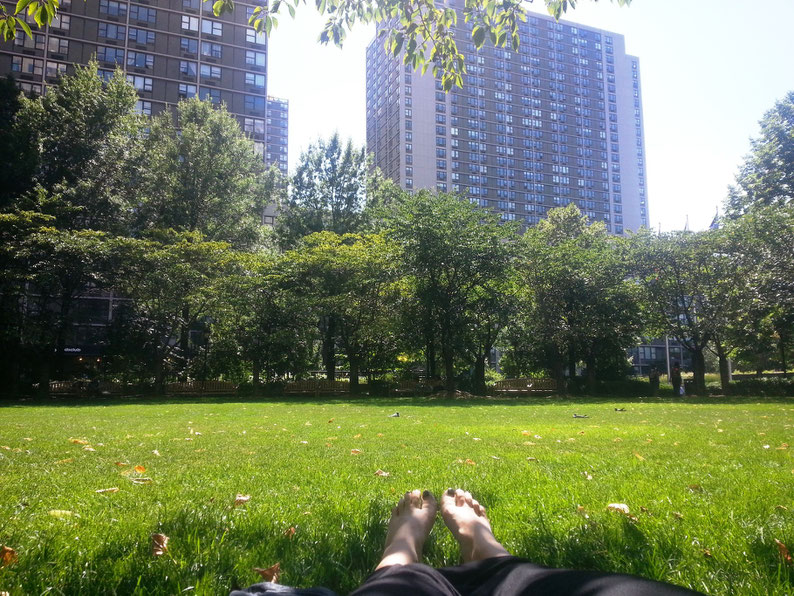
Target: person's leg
(399,571)
(489,569)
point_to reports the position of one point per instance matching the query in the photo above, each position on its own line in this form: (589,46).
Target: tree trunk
(256,367)
(159,375)
(559,374)
(699,371)
(449,367)
(725,373)
(430,356)
(478,382)
(353,360)
(329,351)
(591,377)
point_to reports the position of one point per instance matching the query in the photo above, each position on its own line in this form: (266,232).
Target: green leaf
(321,6)
(268,24)
(216,8)
(478,37)
(37,16)
(397,44)
(21,6)
(25,27)
(291,10)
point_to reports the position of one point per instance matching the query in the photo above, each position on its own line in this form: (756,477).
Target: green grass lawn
(710,487)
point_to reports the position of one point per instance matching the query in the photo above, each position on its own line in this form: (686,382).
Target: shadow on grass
(385,401)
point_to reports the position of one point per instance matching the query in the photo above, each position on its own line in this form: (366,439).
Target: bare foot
(466,519)
(410,524)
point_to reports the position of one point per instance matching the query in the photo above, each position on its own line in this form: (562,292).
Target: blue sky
(710,69)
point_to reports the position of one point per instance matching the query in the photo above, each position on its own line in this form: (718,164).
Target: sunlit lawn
(710,486)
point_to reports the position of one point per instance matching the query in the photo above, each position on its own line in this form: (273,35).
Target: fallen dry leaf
(678,515)
(470,462)
(358,436)
(241,500)
(695,488)
(6,447)
(88,448)
(619,507)
(121,464)
(532,459)
(159,544)
(784,552)
(107,490)
(329,422)
(68,460)
(781,507)
(78,441)
(526,433)
(7,556)
(587,475)
(139,469)
(289,532)
(617,440)
(380,472)
(141,480)
(60,513)
(355,452)
(638,456)
(707,553)
(380,434)
(271,574)
(157,453)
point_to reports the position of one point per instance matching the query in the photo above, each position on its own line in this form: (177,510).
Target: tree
(262,323)
(203,176)
(423,32)
(328,193)
(350,284)
(453,255)
(761,243)
(577,302)
(694,293)
(15,152)
(767,176)
(73,145)
(174,281)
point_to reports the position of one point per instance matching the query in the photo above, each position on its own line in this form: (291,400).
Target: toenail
(426,494)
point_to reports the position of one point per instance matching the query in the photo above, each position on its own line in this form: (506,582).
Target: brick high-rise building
(170,49)
(556,122)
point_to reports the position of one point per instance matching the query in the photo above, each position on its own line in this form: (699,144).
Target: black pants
(499,576)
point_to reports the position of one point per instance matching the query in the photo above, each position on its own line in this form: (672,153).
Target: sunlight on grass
(708,486)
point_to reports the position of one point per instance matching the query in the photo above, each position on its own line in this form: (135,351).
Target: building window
(112,8)
(143,107)
(112,31)
(190,23)
(254,103)
(29,89)
(254,126)
(27,65)
(255,80)
(56,45)
(186,91)
(252,36)
(107,54)
(105,75)
(35,43)
(213,95)
(142,13)
(192,4)
(255,58)
(188,46)
(140,83)
(187,68)
(140,60)
(55,69)
(210,72)
(141,36)
(211,27)
(61,21)
(213,50)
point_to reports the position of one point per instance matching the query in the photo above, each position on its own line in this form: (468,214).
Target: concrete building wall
(559,121)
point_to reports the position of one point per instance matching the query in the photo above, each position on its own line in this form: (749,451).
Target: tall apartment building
(559,121)
(277,142)
(170,49)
